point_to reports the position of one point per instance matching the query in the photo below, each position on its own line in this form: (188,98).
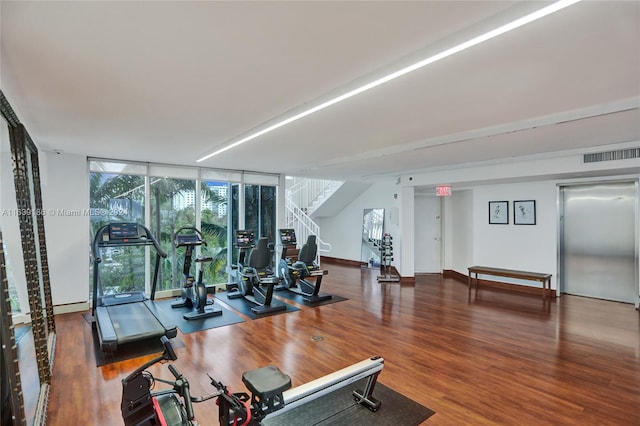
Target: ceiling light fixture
(541,13)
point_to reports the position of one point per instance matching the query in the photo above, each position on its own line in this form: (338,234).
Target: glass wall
(234,221)
(118,198)
(260,210)
(214,218)
(166,198)
(173,205)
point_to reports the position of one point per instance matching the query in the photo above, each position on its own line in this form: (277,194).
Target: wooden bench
(544,279)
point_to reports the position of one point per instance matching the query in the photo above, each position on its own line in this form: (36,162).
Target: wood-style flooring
(498,358)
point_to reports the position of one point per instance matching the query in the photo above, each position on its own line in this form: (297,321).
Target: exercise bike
(295,275)
(271,393)
(194,293)
(253,280)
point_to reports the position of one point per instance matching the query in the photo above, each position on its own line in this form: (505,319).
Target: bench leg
(477,284)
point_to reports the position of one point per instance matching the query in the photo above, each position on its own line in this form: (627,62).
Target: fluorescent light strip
(552,8)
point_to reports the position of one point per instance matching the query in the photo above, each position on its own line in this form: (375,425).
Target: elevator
(599,240)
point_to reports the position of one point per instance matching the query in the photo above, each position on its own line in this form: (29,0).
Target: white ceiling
(171,81)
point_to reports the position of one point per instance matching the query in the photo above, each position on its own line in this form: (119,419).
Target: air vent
(620,154)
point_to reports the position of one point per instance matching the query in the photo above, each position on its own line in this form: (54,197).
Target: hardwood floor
(500,358)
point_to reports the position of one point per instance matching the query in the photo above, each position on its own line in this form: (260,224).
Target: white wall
(459,244)
(65,202)
(524,247)
(404,241)
(469,238)
(344,230)
(65,198)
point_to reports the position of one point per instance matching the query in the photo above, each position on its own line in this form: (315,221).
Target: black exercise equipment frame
(148,239)
(119,234)
(248,285)
(294,274)
(194,292)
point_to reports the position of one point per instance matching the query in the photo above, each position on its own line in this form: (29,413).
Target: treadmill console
(288,237)
(123,231)
(245,239)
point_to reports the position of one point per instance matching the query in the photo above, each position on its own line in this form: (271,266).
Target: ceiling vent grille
(620,154)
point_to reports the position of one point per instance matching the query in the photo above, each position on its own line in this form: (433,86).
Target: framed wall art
(524,212)
(498,212)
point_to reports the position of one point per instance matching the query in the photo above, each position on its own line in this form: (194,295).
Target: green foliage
(216,237)
(122,270)
(169,212)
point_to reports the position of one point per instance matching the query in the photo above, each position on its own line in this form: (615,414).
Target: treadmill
(132,316)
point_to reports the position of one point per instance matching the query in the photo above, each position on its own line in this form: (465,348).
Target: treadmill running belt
(134,321)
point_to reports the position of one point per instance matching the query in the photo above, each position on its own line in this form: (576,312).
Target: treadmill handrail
(148,239)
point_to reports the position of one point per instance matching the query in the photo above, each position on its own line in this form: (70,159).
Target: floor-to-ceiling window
(214,218)
(165,198)
(173,206)
(117,194)
(260,210)
(260,207)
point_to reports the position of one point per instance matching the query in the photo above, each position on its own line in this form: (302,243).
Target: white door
(428,238)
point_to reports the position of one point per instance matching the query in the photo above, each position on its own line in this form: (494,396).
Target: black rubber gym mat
(228,317)
(339,408)
(297,298)
(244,306)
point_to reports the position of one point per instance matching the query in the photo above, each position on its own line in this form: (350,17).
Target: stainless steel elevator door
(597,245)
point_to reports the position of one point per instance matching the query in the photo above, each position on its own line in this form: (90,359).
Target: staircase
(309,194)
(303,197)
(307,199)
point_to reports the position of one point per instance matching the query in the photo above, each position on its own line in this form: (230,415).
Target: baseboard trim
(407,280)
(449,273)
(356,263)
(71,307)
(338,261)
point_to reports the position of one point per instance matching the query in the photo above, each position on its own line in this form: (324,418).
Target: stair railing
(308,193)
(304,226)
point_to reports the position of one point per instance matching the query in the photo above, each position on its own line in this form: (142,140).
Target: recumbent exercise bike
(254,280)
(295,275)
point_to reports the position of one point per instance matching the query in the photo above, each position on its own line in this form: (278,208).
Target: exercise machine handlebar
(181,386)
(194,239)
(124,234)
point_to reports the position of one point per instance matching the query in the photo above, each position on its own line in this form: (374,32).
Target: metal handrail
(304,226)
(307,193)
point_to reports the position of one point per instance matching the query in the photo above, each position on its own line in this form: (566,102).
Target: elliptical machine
(194,293)
(250,284)
(295,275)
